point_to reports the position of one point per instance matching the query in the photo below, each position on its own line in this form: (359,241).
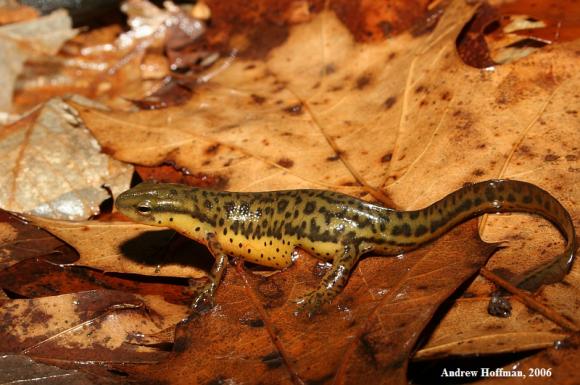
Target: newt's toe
(203,298)
(310,304)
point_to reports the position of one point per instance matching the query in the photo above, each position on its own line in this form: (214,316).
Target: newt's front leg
(332,283)
(203,296)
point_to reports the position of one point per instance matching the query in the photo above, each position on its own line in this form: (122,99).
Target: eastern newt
(266,227)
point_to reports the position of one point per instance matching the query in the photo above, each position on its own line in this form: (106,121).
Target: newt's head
(151,203)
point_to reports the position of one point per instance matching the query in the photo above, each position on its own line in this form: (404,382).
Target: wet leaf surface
(19,241)
(557,365)
(366,335)
(87,326)
(19,368)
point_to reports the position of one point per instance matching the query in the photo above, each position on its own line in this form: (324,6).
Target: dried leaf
(121,247)
(53,166)
(12,12)
(20,368)
(558,365)
(33,279)
(149,22)
(19,241)
(20,41)
(87,326)
(464,330)
(109,64)
(189,141)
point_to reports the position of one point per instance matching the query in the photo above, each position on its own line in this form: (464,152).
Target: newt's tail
(500,196)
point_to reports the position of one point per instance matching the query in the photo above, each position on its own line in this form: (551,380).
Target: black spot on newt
(310,207)
(420,230)
(282,204)
(396,230)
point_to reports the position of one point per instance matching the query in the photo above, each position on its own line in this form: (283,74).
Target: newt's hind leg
(332,283)
(203,296)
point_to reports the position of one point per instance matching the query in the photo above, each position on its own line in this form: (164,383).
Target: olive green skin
(266,227)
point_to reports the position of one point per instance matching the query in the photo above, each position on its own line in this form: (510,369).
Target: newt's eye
(144,208)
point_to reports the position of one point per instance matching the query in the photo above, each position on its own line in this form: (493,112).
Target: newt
(266,227)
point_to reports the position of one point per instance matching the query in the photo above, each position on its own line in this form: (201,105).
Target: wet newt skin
(266,227)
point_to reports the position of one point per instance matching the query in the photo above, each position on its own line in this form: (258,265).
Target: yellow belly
(266,251)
